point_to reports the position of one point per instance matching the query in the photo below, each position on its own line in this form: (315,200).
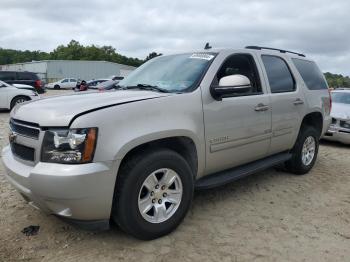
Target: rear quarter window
(311,74)
(26,76)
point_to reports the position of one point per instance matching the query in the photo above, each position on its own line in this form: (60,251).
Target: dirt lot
(270,216)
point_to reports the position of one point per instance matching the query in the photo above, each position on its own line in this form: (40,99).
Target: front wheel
(305,151)
(18,100)
(153,193)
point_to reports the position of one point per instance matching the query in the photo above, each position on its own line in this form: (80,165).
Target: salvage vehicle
(177,123)
(339,129)
(10,96)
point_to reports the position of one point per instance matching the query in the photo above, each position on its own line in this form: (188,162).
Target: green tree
(152,55)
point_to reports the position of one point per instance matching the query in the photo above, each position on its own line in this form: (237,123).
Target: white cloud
(136,28)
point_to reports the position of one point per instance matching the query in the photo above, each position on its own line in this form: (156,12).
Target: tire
(130,189)
(297,164)
(18,100)
(57,87)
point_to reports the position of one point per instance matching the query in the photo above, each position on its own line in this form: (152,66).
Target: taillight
(37,83)
(330,100)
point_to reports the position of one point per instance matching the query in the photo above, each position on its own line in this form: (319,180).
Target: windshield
(341,97)
(174,73)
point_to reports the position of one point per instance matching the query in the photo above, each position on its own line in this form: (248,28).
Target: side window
(278,73)
(24,76)
(241,64)
(73,80)
(64,81)
(5,76)
(311,74)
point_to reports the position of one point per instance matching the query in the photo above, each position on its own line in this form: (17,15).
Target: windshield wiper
(148,87)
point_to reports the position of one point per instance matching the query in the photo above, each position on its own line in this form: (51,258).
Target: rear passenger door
(73,83)
(287,102)
(65,83)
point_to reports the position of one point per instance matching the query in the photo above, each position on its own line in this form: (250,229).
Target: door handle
(261,107)
(298,101)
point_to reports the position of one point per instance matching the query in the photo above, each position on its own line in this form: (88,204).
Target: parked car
(107,85)
(178,122)
(92,84)
(63,83)
(11,96)
(23,77)
(339,130)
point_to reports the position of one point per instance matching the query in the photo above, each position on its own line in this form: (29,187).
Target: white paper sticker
(202,56)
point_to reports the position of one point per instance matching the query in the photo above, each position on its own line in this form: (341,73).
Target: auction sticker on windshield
(202,56)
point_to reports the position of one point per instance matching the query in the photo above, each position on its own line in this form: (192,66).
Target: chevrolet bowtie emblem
(12,137)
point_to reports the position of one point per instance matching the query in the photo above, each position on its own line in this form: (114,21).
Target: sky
(320,29)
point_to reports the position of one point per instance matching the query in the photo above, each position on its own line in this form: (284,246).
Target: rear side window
(26,76)
(278,73)
(5,76)
(311,74)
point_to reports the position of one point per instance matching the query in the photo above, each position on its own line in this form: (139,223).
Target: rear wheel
(57,87)
(18,100)
(153,193)
(304,153)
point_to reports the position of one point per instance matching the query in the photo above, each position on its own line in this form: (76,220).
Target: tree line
(72,51)
(337,80)
(76,51)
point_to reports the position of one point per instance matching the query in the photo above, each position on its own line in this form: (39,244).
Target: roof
(249,50)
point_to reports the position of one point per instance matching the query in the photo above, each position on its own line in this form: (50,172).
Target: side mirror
(230,85)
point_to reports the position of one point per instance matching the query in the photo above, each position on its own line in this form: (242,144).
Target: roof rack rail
(275,49)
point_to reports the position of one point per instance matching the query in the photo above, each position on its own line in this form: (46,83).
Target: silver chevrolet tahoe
(177,123)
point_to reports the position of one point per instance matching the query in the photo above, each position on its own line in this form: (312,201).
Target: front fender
(124,127)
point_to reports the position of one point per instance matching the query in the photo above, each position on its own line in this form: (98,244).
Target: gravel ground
(270,216)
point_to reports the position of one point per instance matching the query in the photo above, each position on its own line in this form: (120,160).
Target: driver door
(237,128)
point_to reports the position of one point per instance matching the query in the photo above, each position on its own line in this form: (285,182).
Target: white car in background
(65,83)
(339,129)
(11,95)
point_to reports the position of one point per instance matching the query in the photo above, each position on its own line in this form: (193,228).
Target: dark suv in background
(26,78)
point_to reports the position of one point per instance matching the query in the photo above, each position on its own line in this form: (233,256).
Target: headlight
(73,146)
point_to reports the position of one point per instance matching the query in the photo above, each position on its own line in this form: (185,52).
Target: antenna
(207,46)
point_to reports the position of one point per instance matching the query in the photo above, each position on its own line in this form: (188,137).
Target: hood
(340,111)
(58,111)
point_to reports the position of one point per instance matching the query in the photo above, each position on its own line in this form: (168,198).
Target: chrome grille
(25,128)
(25,140)
(345,124)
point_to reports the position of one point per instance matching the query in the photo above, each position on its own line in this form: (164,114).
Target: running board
(230,175)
